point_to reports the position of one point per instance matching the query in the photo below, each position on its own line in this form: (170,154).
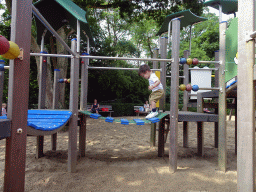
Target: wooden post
(73,105)
(200,127)
(163,51)
(41,102)
(222,146)
(153,125)
(245,97)
(185,99)
(161,138)
(84,83)
(18,94)
(173,146)
(56,95)
(185,81)
(216,84)
(82,135)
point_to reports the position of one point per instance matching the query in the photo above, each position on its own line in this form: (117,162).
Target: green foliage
(106,85)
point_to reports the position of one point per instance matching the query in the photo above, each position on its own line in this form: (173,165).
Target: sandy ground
(119,158)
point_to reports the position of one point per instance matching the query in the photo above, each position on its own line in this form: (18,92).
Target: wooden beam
(18,94)
(245,98)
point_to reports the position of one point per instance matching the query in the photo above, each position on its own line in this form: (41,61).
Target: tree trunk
(62,65)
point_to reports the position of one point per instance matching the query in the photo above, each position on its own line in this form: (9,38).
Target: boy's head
(3,105)
(144,71)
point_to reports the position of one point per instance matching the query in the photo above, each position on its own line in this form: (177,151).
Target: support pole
(41,98)
(245,98)
(56,96)
(173,146)
(216,100)
(84,83)
(153,125)
(185,98)
(163,50)
(18,95)
(73,105)
(222,146)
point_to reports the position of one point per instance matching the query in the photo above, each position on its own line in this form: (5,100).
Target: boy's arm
(154,85)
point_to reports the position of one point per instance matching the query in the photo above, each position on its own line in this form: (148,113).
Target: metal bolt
(19,130)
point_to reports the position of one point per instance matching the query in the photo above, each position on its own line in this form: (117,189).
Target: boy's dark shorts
(156,95)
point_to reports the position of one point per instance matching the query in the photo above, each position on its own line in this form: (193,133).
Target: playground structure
(17,113)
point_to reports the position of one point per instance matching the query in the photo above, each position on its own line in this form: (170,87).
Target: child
(95,107)
(146,107)
(4,113)
(155,85)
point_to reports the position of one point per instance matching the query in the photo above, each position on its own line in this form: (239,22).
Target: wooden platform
(196,117)
(185,117)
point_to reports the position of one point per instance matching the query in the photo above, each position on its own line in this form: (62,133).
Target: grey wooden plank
(245,98)
(222,152)
(173,148)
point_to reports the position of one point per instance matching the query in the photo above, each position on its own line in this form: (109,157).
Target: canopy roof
(186,18)
(61,12)
(228,6)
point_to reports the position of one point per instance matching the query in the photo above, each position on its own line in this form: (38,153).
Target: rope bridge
(126,121)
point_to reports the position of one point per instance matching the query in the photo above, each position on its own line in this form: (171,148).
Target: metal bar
(210,69)
(209,62)
(102,57)
(173,145)
(49,27)
(179,76)
(245,98)
(209,88)
(125,58)
(120,68)
(6,67)
(50,55)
